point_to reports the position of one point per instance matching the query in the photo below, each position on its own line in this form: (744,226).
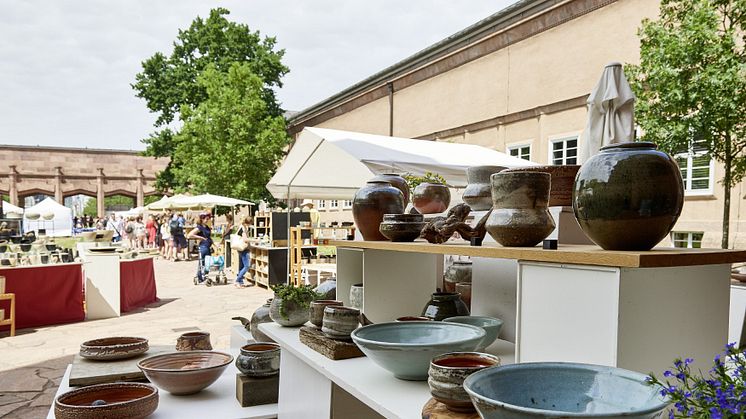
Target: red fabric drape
(45,294)
(137,284)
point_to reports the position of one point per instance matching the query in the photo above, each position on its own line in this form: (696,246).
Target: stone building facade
(518,82)
(61,172)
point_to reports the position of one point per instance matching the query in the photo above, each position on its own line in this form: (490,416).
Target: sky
(66,66)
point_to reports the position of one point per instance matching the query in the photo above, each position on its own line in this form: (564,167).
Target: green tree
(118,201)
(691,84)
(232,142)
(169,83)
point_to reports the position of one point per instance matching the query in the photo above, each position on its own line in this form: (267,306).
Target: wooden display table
(634,310)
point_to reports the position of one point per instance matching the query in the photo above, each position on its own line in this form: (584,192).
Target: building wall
(533,91)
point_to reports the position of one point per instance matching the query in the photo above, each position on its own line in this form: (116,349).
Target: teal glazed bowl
(566,390)
(491,326)
(406,348)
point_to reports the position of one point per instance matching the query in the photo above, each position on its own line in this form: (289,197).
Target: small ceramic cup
(447,374)
(194,341)
(356,296)
(412,319)
(317,310)
(464,288)
(261,359)
(339,322)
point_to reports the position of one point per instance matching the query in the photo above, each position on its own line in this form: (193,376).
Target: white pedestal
(102,292)
(736,330)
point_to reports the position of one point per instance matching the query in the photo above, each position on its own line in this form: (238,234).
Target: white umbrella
(209,201)
(167,202)
(611,108)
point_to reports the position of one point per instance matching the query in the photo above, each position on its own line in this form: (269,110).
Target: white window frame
(689,238)
(347,204)
(688,191)
(334,204)
(518,146)
(322,204)
(560,138)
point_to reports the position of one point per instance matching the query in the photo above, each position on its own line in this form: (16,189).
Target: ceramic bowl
(122,400)
(406,348)
(32,215)
(491,326)
(447,374)
(412,319)
(400,231)
(339,322)
(261,359)
(111,348)
(182,373)
(403,218)
(559,389)
(25,247)
(194,341)
(316,315)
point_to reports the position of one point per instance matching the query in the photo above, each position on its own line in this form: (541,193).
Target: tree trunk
(726,196)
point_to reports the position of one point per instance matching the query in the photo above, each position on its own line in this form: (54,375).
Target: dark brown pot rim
(476,356)
(522,173)
(327,302)
(114,341)
(260,347)
(433,184)
(445,296)
(194,335)
(60,401)
(639,144)
(340,309)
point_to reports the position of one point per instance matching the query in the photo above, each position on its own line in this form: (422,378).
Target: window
(690,239)
(697,170)
(322,204)
(520,151)
(334,204)
(347,203)
(564,151)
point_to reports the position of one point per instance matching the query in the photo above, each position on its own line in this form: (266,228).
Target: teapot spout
(365,321)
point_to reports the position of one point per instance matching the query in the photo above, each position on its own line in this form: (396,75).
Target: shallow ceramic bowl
(448,372)
(123,400)
(182,373)
(401,231)
(559,389)
(406,348)
(491,326)
(107,349)
(32,215)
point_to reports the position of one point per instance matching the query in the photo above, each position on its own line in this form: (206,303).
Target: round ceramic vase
(261,359)
(561,183)
(293,313)
(478,194)
(356,296)
(443,305)
(431,198)
(398,182)
(520,215)
(459,271)
(628,196)
(371,201)
(261,315)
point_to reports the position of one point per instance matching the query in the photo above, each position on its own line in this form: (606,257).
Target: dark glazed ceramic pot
(520,215)
(261,359)
(396,181)
(261,315)
(431,198)
(628,197)
(443,305)
(371,201)
(402,227)
(561,183)
(478,193)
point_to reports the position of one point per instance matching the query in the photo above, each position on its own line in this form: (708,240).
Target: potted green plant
(291,304)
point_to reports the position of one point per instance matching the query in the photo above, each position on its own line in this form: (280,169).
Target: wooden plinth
(330,348)
(255,391)
(434,409)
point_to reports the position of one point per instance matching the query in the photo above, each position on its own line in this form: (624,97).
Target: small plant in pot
(290,307)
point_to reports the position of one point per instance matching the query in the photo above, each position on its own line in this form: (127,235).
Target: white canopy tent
(333,164)
(8,207)
(60,225)
(209,201)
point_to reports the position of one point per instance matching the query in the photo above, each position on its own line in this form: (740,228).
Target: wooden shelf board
(569,254)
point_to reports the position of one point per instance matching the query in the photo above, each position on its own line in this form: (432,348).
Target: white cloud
(66,66)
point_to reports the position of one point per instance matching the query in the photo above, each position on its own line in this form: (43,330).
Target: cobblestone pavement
(33,362)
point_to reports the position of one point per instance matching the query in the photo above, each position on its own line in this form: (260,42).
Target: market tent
(167,202)
(60,225)
(332,164)
(8,207)
(132,212)
(209,201)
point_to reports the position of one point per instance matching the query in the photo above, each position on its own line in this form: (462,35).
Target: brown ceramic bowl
(194,341)
(182,373)
(562,182)
(108,349)
(122,400)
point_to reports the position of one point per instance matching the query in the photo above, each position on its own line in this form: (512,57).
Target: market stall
(48,215)
(46,294)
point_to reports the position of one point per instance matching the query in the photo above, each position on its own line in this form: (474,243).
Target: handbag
(237,242)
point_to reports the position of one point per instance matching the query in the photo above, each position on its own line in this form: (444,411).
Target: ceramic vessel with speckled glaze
(447,374)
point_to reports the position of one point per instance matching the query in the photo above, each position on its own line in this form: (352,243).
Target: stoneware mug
(339,322)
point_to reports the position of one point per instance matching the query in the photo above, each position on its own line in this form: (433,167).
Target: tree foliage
(231,143)
(170,84)
(691,83)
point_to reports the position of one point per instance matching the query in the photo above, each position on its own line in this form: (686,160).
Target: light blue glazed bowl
(560,389)
(406,348)
(491,326)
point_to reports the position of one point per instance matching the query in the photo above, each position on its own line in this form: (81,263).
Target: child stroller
(212,265)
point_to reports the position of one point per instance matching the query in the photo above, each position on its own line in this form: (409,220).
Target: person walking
(203,234)
(244,261)
(177,233)
(151,231)
(166,238)
(111,224)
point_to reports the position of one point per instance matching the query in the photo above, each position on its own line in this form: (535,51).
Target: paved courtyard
(32,363)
